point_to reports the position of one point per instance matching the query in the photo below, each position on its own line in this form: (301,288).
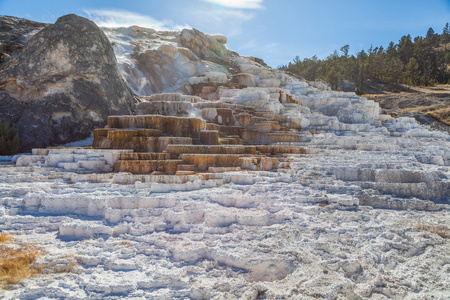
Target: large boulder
(62,84)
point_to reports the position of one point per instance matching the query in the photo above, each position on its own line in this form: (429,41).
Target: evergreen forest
(421,61)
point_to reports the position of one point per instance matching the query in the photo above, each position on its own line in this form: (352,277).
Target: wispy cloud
(230,22)
(249,4)
(227,20)
(125,18)
(248,45)
(255,45)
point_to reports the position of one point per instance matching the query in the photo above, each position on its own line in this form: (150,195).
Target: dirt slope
(430,106)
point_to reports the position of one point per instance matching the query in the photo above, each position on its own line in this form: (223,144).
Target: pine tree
(405,48)
(412,72)
(432,38)
(332,77)
(344,50)
(445,38)
(10,142)
(297,64)
(395,70)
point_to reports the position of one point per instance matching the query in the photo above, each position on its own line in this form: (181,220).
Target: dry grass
(17,264)
(5,237)
(440,230)
(433,101)
(440,112)
(394,115)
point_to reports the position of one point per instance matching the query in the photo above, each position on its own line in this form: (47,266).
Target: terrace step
(145,156)
(148,166)
(186,168)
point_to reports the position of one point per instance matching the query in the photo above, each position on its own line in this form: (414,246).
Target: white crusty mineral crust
(346,220)
(343,221)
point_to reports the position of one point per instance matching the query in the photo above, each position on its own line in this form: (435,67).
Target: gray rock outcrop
(62,84)
(14,34)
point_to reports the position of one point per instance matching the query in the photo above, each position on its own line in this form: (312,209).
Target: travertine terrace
(225,136)
(234,181)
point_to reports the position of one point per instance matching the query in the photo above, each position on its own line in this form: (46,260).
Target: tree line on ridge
(420,62)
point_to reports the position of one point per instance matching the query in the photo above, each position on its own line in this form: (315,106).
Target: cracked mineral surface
(279,189)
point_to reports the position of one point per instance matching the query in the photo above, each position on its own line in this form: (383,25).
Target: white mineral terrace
(344,219)
(239,235)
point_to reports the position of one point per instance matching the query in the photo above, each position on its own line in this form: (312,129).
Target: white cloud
(251,4)
(227,21)
(124,18)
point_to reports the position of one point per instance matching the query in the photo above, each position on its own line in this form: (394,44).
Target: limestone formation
(223,100)
(197,64)
(162,62)
(246,182)
(181,145)
(62,84)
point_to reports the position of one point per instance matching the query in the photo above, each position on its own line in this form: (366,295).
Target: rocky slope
(429,106)
(155,62)
(360,210)
(63,83)
(14,34)
(198,64)
(195,63)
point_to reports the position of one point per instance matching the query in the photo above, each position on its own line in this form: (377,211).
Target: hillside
(421,61)
(209,176)
(430,105)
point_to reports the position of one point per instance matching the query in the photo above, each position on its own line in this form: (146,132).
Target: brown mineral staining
(225,137)
(206,149)
(209,137)
(244,119)
(168,125)
(148,166)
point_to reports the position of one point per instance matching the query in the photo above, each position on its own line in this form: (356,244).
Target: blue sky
(275,30)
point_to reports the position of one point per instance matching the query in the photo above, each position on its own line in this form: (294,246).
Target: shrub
(359,92)
(10,142)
